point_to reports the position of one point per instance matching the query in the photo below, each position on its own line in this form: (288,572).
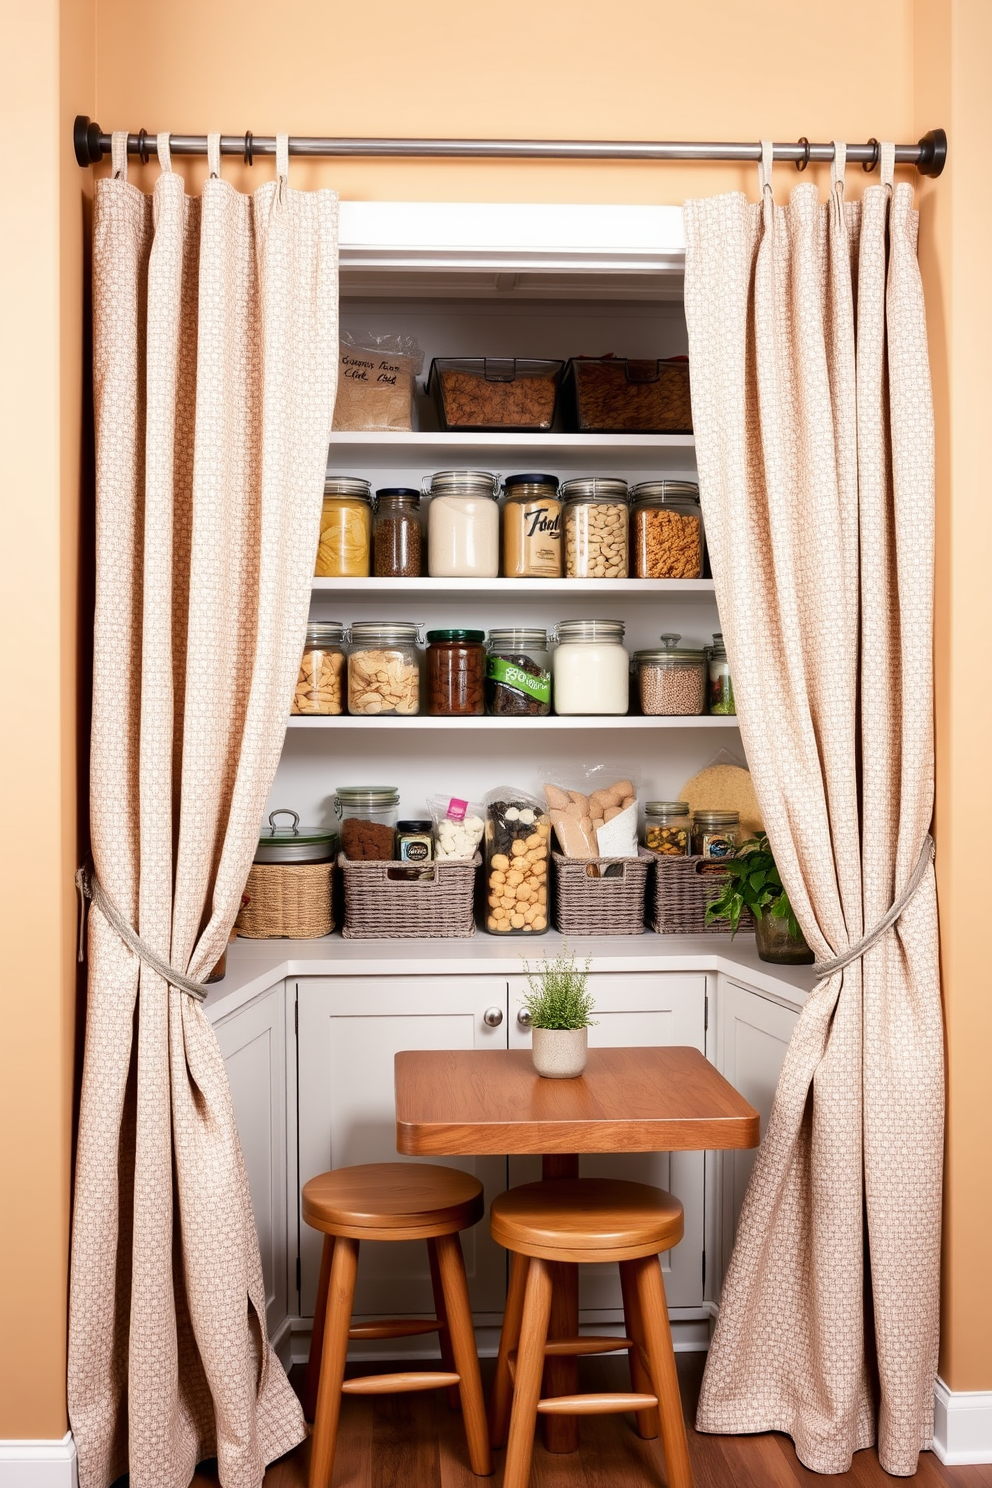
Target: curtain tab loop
(765,169)
(164,152)
(118,154)
(838,165)
(887,157)
(213,156)
(282,165)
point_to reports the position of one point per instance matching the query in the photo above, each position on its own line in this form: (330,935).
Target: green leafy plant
(558,996)
(753,883)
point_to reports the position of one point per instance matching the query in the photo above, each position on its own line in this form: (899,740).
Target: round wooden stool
(391,1201)
(583,1220)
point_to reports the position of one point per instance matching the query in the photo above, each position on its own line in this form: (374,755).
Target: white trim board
(962,1427)
(38,1464)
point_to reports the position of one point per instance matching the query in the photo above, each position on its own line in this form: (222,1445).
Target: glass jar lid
(519,638)
(369,796)
(666,808)
(589,630)
(594,488)
(324,633)
(347,485)
(665,490)
(475,636)
(516,485)
(717,818)
(718,649)
(398,493)
(419,826)
(384,633)
(291,844)
(670,653)
(464,483)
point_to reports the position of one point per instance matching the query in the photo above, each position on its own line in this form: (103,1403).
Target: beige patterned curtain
(215,355)
(814,433)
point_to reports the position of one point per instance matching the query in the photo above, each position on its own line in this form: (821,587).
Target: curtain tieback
(89,887)
(855,952)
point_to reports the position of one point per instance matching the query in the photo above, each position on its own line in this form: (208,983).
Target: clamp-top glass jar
(590,667)
(595,521)
(666,530)
(384,668)
(345,529)
(721,686)
(367,814)
(320,685)
(463,525)
(531,527)
(518,673)
(396,533)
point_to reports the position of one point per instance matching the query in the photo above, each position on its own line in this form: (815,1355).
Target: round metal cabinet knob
(523,1018)
(492,1017)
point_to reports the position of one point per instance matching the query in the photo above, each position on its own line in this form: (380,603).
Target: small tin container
(415,841)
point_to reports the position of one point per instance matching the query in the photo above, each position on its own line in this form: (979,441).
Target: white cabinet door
(753,1033)
(349,1030)
(253,1043)
(636,1010)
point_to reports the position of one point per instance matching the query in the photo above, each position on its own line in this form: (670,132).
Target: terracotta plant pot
(774,943)
(560,1053)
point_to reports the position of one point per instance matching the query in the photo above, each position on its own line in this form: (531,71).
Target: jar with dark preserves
(456,667)
(396,537)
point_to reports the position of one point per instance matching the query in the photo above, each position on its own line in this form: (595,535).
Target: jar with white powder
(463,525)
(590,668)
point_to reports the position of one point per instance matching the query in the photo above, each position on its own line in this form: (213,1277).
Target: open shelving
(552,724)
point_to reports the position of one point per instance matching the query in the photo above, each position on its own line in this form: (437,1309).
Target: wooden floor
(415,1441)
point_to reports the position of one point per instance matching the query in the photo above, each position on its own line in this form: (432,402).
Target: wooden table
(456,1102)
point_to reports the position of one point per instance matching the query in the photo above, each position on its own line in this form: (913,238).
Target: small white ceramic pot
(560,1053)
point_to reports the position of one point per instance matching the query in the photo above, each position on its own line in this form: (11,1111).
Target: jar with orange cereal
(320,685)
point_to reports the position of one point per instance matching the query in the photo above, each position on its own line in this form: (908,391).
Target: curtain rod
(91,144)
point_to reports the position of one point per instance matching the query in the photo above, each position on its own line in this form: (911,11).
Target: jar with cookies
(517,852)
(666,534)
(384,668)
(320,685)
(595,521)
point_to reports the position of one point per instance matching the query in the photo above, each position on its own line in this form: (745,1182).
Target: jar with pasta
(666,530)
(595,521)
(345,529)
(320,685)
(383,668)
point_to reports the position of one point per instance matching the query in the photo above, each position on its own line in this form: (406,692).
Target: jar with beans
(518,673)
(715,833)
(591,667)
(666,827)
(671,679)
(320,685)
(345,529)
(666,530)
(595,520)
(396,533)
(456,668)
(383,668)
(367,814)
(463,525)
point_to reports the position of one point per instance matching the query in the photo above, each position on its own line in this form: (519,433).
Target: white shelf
(426,450)
(534,725)
(532,588)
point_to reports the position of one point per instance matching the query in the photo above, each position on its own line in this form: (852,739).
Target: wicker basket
(611,902)
(383,901)
(683,887)
(291,900)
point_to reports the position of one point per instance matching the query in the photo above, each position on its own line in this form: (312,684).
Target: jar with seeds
(671,679)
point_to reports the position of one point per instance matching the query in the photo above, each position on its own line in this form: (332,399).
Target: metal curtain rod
(92,144)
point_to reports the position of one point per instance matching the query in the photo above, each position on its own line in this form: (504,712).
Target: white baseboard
(38,1464)
(962,1426)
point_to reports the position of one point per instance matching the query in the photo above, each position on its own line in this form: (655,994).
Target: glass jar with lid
(531,527)
(715,834)
(345,529)
(518,673)
(671,679)
(721,686)
(666,530)
(590,667)
(367,814)
(463,525)
(666,827)
(384,668)
(456,669)
(320,685)
(396,541)
(595,520)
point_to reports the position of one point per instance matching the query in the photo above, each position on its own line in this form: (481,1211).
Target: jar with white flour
(463,525)
(590,668)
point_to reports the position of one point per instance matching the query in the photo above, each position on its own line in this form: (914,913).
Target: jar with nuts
(517,834)
(345,543)
(671,679)
(595,520)
(383,668)
(666,530)
(320,685)
(666,827)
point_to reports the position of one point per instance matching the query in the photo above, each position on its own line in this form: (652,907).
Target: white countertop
(255,965)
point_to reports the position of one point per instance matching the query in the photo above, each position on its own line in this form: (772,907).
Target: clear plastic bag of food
(518,834)
(376,381)
(458,827)
(597,820)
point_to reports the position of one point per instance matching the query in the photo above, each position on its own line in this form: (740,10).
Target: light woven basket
(382,901)
(610,902)
(287,900)
(683,887)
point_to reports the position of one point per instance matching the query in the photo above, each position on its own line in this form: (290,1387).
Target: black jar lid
(455,635)
(529,480)
(408,491)
(417,828)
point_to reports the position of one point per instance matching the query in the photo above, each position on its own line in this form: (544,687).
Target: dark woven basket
(683,887)
(610,902)
(403,901)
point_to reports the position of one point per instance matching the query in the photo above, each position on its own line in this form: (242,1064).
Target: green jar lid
(455,635)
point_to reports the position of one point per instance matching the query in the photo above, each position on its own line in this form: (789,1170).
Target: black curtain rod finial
(933,152)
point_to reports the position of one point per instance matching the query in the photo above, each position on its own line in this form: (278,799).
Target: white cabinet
(253,1044)
(349,1030)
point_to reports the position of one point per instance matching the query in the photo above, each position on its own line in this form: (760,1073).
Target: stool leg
(640,1380)
(451,1266)
(561,1373)
(441,1313)
(334,1355)
(317,1335)
(530,1364)
(502,1397)
(661,1362)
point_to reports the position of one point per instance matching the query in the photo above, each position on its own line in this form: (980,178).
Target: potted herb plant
(559,1005)
(753,883)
